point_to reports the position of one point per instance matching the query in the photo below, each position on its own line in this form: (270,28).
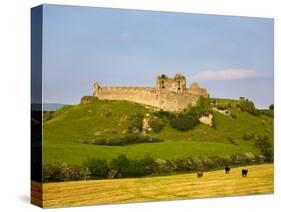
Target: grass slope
(71,125)
(212,184)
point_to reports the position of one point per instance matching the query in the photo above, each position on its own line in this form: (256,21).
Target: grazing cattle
(199,174)
(244,172)
(227,169)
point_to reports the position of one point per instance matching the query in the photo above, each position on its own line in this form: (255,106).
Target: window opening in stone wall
(163,86)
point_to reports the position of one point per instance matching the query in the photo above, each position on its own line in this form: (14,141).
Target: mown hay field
(182,186)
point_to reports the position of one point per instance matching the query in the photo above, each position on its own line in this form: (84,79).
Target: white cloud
(124,36)
(226,74)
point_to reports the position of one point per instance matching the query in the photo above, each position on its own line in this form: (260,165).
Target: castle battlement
(127,88)
(170,94)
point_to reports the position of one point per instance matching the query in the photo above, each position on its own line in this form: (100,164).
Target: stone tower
(177,84)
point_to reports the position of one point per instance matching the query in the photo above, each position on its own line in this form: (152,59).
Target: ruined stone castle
(170,94)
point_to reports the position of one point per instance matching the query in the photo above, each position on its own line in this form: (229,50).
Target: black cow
(244,172)
(199,174)
(227,170)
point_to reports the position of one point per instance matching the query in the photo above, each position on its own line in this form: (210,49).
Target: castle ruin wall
(170,94)
(148,96)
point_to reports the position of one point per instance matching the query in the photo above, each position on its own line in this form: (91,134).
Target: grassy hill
(212,184)
(70,126)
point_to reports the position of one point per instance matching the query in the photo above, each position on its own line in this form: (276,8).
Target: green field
(77,153)
(70,126)
(183,186)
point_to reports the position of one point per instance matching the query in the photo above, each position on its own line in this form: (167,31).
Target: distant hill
(47,106)
(68,129)
(52,106)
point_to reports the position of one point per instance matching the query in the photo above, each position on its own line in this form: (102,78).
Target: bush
(163,76)
(150,166)
(185,164)
(135,168)
(108,113)
(236,159)
(266,112)
(156,125)
(59,172)
(184,122)
(260,158)
(48,115)
(100,141)
(189,119)
(165,166)
(88,99)
(197,163)
(55,172)
(78,173)
(188,164)
(139,168)
(233,113)
(209,162)
(124,167)
(98,168)
(136,125)
(243,159)
(215,161)
(248,106)
(164,114)
(213,102)
(125,140)
(266,148)
(222,107)
(248,136)
(120,165)
(203,103)
(202,107)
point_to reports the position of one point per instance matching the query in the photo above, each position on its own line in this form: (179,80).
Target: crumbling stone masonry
(170,94)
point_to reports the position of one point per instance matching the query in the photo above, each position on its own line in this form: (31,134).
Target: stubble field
(182,186)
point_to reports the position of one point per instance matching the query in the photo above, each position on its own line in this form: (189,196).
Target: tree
(134,169)
(136,125)
(58,172)
(55,172)
(266,148)
(120,164)
(248,106)
(98,168)
(184,122)
(156,124)
(150,165)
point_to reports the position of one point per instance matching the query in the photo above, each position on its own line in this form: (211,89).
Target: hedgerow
(125,140)
(123,167)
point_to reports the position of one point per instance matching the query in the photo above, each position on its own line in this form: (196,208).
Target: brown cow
(199,174)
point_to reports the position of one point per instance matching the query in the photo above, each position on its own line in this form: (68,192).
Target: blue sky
(230,56)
